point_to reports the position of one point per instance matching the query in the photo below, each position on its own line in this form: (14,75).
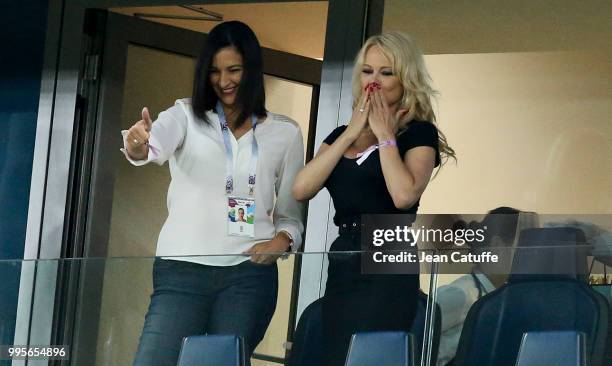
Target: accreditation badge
(241,216)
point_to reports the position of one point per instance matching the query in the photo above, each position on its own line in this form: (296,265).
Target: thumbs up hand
(138,136)
(146,119)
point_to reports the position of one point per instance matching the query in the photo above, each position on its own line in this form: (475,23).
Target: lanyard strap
(478,284)
(229,161)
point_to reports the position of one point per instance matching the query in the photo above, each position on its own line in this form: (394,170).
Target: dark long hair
(251,98)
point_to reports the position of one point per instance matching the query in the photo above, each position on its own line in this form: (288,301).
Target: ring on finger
(136,142)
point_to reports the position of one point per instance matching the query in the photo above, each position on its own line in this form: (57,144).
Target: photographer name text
(423,257)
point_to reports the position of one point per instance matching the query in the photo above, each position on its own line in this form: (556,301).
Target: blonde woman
(380,163)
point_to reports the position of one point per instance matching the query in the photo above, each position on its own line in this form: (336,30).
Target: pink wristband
(387,143)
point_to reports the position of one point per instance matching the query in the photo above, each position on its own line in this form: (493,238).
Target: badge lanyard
(229,161)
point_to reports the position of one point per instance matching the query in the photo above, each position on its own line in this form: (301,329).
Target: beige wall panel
(291,99)
(478,26)
(531,130)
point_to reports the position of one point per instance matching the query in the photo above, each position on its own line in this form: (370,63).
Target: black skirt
(356,302)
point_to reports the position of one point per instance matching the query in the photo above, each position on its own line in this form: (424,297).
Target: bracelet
(291,241)
(387,143)
(364,155)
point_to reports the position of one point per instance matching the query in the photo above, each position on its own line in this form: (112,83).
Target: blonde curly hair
(408,65)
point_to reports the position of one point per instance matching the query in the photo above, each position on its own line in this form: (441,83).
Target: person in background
(380,163)
(456,298)
(224,150)
(598,238)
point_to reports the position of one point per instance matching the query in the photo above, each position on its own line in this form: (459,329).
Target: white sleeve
(288,213)
(167,135)
(455,301)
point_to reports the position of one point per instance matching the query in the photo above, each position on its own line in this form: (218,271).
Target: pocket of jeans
(162,264)
(161,269)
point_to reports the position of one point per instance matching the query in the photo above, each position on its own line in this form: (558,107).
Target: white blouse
(197,202)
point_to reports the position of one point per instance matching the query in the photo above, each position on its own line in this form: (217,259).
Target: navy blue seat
(212,350)
(552,348)
(495,324)
(307,347)
(381,348)
(540,296)
(549,253)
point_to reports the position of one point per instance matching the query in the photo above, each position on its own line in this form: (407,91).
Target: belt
(349,225)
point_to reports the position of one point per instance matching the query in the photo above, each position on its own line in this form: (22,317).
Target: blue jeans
(192,299)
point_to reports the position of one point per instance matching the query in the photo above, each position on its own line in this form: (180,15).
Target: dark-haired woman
(227,154)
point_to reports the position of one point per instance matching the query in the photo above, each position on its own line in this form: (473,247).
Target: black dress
(356,302)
